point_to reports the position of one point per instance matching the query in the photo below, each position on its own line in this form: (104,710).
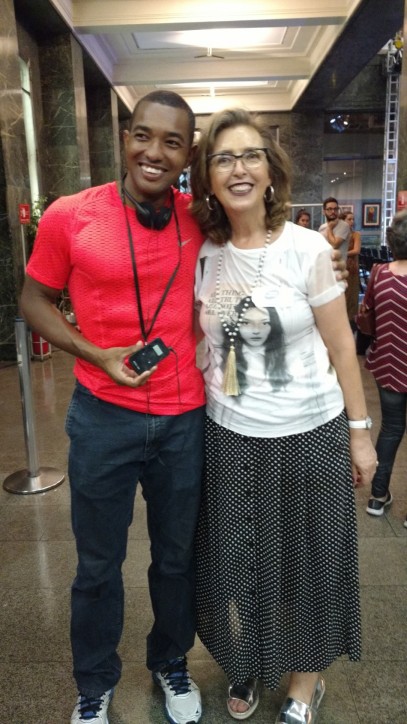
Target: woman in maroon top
(387,359)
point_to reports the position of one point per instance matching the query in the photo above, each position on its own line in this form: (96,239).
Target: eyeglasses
(251,159)
(331,208)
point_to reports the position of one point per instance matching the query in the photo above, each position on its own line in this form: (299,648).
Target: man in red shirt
(127,253)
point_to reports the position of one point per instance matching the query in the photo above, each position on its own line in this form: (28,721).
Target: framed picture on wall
(371,214)
(346,208)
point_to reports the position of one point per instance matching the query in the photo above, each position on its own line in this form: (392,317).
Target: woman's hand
(363,456)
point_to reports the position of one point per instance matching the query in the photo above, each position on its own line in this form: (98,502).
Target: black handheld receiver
(148,356)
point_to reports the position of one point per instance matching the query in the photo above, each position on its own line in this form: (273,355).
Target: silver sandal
(294,711)
(248,694)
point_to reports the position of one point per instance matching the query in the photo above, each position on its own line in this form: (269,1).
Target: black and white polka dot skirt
(277,567)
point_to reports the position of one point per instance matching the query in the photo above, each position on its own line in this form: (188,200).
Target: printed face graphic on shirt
(259,335)
(255,327)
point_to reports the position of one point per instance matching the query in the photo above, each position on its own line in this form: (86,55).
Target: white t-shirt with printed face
(287,382)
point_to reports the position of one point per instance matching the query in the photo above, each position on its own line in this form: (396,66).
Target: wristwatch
(365,424)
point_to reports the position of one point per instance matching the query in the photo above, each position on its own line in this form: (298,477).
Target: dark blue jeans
(111,449)
(393,407)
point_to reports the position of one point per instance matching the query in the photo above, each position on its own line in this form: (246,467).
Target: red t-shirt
(82,243)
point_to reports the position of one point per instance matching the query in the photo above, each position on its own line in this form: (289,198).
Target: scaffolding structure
(391,135)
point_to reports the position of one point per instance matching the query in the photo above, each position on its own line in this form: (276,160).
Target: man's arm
(335,241)
(38,309)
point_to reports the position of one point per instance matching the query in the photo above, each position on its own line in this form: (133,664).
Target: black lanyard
(146,332)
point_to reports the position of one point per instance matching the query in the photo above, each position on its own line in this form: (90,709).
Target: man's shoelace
(89,707)
(176,675)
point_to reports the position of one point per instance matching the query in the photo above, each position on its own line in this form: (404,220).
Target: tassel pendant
(230,385)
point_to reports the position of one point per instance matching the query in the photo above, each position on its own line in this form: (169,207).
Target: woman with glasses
(277,572)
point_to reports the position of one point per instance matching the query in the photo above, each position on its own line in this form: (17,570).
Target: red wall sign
(401,200)
(24,213)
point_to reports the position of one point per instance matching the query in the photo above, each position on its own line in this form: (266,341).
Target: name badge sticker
(266,297)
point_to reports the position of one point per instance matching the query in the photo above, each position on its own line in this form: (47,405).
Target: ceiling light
(217,84)
(230,38)
(210,54)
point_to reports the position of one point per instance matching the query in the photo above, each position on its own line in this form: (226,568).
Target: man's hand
(113,362)
(339,266)
(332,224)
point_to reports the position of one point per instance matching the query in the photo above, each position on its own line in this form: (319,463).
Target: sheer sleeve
(322,284)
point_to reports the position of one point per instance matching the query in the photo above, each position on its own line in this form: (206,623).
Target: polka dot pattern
(277,567)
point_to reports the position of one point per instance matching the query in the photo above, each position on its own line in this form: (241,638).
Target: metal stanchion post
(34,479)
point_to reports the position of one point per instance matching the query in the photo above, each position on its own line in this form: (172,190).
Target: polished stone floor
(37,564)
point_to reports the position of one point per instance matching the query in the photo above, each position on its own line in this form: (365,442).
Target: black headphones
(147,215)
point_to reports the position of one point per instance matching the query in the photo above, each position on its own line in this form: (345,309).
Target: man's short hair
(329,200)
(171,99)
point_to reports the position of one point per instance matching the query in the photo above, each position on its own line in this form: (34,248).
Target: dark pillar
(14,183)
(64,142)
(103,123)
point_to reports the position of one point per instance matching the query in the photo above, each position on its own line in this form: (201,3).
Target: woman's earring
(208,202)
(269,195)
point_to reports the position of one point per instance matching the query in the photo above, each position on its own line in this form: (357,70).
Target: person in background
(278,511)
(387,359)
(335,230)
(352,265)
(303,218)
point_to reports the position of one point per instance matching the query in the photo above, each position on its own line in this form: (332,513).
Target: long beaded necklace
(230,384)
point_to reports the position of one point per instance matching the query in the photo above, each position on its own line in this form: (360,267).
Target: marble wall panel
(103,135)
(301,137)
(13,178)
(28,51)
(114,105)
(367,91)
(81,117)
(64,139)
(306,153)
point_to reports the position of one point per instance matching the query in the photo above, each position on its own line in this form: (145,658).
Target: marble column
(14,182)
(103,125)
(64,138)
(306,154)
(402,144)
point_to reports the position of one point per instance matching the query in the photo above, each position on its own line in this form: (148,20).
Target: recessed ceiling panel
(263,52)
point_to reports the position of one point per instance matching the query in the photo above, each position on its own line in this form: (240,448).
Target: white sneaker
(92,710)
(182,696)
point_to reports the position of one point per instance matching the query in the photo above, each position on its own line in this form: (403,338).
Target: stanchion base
(23,483)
